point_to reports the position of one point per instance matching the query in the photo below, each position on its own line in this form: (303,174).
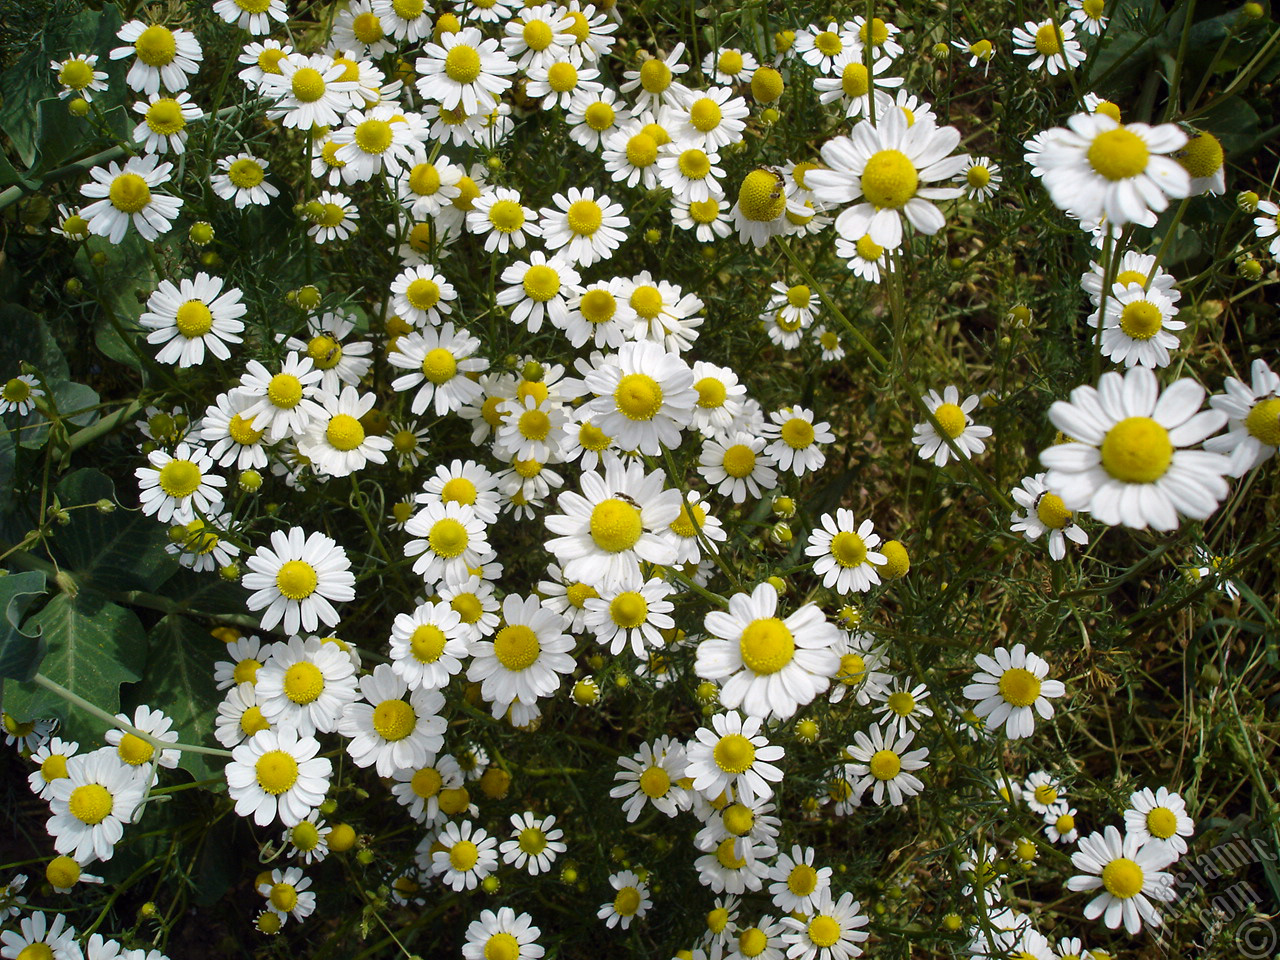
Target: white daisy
(91,805)
(239,716)
(1011,689)
(691,173)
(1090,14)
(859,672)
(163,57)
(1124,464)
(852,83)
(388,732)
(79,76)
(19,394)
(466,857)
(254,16)
(1137,325)
(953,417)
(404,19)
(336,442)
(730,65)
(164,124)
(631,152)
(819,47)
(463,70)
(1133,267)
(440,359)
(296,578)
(174,487)
(1050,44)
(36,938)
(427,646)
(632,900)
(504,935)
(534,845)
(588,228)
(735,755)
(630,613)
(51,764)
(123,195)
(304,685)
(1159,819)
(981,178)
(135,751)
(882,761)
(797,885)
(450,539)
(242,180)
(1044,512)
(708,219)
(333,217)
(833,931)
(594,115)
(1131,875)
(709,119)
(419,787)
(339,362)
(526,657)
(1253,419)
(663,312)
(191,316)
(475,603)
(287,894)
(1060,823)
(235,441)
(650,777)
(278,774)
(656,82)
(309,91)
(284,403)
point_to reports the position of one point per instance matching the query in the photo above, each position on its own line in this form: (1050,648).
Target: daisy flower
(498,215)
(797,884)
(296,578)
(1052,45)
(655,81)
(388,732)
(418,788)
(733,754)
(232,434)
(504,935)
(254,16)
(537,36)
(1268,225)
(287,894)
(859,672)
(1041,791)
(828,340)
(409,443)
(630,614)
(539,287)
(631,902)
(709,119)
(51,764)
(663,312)
(464,482)
(1131,875)
(853,84)
(1060,823)
(162,57)
(591,30)
(588,228)
(427,646)
(466,855)
(617,521)
(729,65)
(864,257)
(737,466)
(1159,820)
(794,439)
(191,316)
(11,899)
(426,186)
(644,397)
(373,141)
(883,168)
(304,685)
(1137,325)
(1100,167)
(135,751)
(594,115)
(882,761)
(1044,512)
(765,198)
(557,83)
(421,296)
(164,124)
(463,70)
(174,487)
(599,313)
(309,91)
(475,603)
(79,76)
(91,805)
(878,35)
(632,151)
(978,52)
(440,358)
(284,404)
(708,218)
(246,656)
(761,940)
(534,845)
(901,708)
(953,417)
(767,666)
(833,931)
(651,777)
(1011,688)
(726,870)
(333,217)
(19,394)
(277,774)
(449,540)
(239,716)
(1253,419)
(819,48)
(404,19)
(525,658)
(1134,267)
(35,937)
(1090,14)
(241,179)
(261,59)
(1124,464)
(123,195)
(720,398)
(691,173)
(339,362)
(981,178)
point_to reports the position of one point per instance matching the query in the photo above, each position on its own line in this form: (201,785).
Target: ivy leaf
(94,646)
(20,652)
(179,682)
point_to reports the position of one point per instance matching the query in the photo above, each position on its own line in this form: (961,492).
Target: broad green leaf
(93,647)
(179,681)
(20,651)
(122,550)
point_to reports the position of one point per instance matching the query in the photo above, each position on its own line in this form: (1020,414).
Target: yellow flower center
(90,803)
(761,197)
(951,418)
(802,880)
(534,424)
(655,76)
(598,306)
(868,249)
(344,432)
(422,294)
(63,873)
(823,930)
(516,647)
(885,764)
(1263,421)
(1140,319)
(245,173)
(694,164)
(284,391)
(394,720)
(180,478)
(592,437)
(1137,450)
(75,74)
(615,525)
(367,28)
(1162,823)
(1052,512)
(734,753)
(507,216)
(427,643)
(627,902)
(532,841)
(305,836)
(1065,823)
(157,46)
(728,858)
(307,85)
(704,114)
(828,43)
(683,525)
(562,77)
(1019,687)
(655,782)
(638,396)
(129,193)
(193,319)
(1045,793)
(889,180)
(252,721)
(628,610)
(977,177)
(448,537)
(241,431)
(502,946)
(982,49)
(1123,878)
(739,461)
(246,671)
(704,211)
(324,351)
(439,366)
(1093,9)
(1202,156)
(730,62)
(752,942)
(462,65)
(642,150)
(297,580)
(852,669)
(1049,39)
(54,767)
(1118,154)
(901,703)
(468,607)
(276,771)
(738,819)
(283,896)
(373,136)
(537,35)
(585,217)
(331,214)
(528,468)
(599,116)
(712,393)
(848,549)
(468,191)
(134,751)
(541,282)
(165,117)
(854,80)
(426,783)
(797,433)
